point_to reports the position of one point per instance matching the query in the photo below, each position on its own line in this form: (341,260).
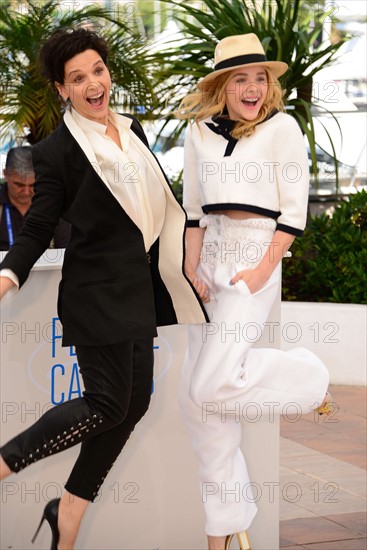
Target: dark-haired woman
(122,274)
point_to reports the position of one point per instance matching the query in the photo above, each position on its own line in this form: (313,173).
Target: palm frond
(288,30)
(28,107)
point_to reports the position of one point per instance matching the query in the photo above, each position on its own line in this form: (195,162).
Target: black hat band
(240,60)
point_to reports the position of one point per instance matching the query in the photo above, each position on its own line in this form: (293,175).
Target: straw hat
(238,51)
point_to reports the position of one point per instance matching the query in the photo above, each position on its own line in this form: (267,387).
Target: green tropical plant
(152,20)
(289,30)
(27,103)
(328,263)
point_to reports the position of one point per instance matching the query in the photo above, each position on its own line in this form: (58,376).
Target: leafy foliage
(289,30)
(329,262)
(27,103)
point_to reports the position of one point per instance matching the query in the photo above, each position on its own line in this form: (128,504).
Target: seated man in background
(16,197)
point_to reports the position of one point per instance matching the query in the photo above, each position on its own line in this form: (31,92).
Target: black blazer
(111,290)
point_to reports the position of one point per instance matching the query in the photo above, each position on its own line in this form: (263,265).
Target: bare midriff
(237,214)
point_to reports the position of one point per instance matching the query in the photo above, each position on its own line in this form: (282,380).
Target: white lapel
(171,249)
(82,140)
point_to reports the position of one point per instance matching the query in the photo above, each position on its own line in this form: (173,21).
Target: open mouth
(96,100)
(250,102)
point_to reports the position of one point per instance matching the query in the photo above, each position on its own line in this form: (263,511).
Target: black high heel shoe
(50,514)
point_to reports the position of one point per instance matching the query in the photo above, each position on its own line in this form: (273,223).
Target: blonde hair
(210,101)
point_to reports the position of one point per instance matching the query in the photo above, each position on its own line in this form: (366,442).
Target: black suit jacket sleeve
(62,234)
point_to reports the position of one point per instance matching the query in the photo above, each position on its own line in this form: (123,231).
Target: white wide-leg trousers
(223,374)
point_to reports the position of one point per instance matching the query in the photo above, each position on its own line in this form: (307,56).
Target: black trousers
(118,384)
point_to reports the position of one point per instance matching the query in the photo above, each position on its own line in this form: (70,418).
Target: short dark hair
(19,160)
(62,45)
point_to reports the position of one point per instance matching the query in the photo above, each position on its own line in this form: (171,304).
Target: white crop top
(266,173)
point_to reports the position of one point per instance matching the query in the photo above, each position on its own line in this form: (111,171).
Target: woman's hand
(255,279)
(5,285)
(200,286)
(194,242)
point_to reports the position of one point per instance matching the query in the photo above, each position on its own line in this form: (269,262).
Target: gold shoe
(327,406)
(243,541)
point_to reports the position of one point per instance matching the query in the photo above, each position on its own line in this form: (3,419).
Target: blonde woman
(245,193)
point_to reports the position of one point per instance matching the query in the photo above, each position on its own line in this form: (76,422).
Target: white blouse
(127,174)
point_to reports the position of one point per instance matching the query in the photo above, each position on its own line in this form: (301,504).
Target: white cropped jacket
(266,173)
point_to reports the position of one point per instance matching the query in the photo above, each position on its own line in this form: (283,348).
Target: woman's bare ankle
(71,512)
(5,471)
(216,543)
